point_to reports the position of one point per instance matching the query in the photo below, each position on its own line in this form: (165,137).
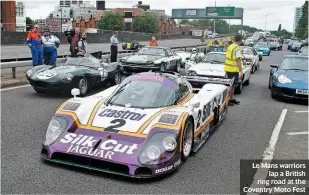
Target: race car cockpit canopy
(145,90)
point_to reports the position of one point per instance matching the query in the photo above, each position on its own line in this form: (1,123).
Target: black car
(131,45)
(151,58)
(291,42)
(82,72)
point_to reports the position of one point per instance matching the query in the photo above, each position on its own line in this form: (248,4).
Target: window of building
(128,14)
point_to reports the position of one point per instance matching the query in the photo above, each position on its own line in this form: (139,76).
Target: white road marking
(268,155)
(17,87)
(301,111)
(299,133)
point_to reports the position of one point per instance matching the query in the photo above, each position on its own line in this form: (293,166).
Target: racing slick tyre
(247,82)
(83,86)
(269,87)
(238,89)
(177,67)
(117,78)
(273,93)
(187,139)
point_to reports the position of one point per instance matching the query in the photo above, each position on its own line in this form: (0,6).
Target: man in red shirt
(153,42)
(74,42)
(34,42)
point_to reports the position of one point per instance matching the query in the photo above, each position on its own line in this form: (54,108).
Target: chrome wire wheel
(178,67)
(187,139)
(162,67)
(117,78)
(83,86)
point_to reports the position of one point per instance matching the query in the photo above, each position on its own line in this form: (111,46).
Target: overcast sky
(277,11)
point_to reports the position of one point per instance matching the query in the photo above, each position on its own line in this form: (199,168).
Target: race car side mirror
(75,92)
(196,105)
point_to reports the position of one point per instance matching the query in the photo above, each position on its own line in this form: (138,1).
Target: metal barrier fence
(62,58)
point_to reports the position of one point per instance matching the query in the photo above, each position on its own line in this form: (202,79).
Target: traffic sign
(220,11)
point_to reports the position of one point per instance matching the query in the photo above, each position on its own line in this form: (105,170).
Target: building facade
(297,16)
(61,15)
(8,16)
(20,17)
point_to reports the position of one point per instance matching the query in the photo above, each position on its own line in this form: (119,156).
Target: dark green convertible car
(82,72)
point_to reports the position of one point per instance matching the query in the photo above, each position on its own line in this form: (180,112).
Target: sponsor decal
(134,116)
(47,74)
(149,77)
(169,119)
(71,106)
(162,170)
(87,145)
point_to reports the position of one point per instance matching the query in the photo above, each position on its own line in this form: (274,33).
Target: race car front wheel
(162,67)
(187,140)
(83,86)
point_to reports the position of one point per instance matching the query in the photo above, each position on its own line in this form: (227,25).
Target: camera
(69,34)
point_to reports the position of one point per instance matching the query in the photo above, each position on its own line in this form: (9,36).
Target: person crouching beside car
(50,45)
(153,42)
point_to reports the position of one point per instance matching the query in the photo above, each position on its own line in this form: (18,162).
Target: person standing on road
(114,46)
(34,42)
(233,66)
(82,44)
(50,45)
(153,42)
(74,42)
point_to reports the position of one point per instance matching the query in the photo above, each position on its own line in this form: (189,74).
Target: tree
(279,28)
(147,23)
(302,27)
(111,21)
(283,33)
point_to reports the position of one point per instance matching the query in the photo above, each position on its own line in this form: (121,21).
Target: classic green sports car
(82,72)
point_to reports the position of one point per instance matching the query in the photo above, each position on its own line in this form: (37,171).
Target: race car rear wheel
(117,78)
(187,140)
(177,67)
(162,67)
(83,86)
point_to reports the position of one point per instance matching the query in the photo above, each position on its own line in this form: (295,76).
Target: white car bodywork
(215,70)
(184,55)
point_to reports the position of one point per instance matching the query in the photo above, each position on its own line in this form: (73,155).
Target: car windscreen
(296,44)
(214,58)
(262,45)
(294,63)
(143,94)
(152,51)
(247,51)
(83,61)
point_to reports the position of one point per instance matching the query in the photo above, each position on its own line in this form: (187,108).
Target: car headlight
(29,73)
(55,128)
(67,77)
(284,79)
(153,152)
(122,61)
(192,73)
(169,144)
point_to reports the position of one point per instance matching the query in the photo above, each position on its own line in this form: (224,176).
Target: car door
(256,56)
(171,59)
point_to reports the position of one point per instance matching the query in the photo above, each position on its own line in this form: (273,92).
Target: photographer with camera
(74,37)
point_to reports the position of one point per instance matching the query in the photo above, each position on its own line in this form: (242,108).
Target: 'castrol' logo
(83,144)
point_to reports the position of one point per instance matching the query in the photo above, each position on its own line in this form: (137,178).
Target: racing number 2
(202,115)
(117,124)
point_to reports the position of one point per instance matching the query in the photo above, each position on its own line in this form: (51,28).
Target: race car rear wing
(200,80)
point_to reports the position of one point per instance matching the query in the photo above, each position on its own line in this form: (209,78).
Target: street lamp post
(60,19)
(215,19)
(265,22)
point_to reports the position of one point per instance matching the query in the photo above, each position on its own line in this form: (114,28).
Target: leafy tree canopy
(147,23)
(111,21)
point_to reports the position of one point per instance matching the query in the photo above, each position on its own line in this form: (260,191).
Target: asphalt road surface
(244,134)
(22,51)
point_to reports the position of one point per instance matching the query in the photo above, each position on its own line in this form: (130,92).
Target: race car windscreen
(295,63)
(152,51)
(83,61)
(214,58)
(143,94)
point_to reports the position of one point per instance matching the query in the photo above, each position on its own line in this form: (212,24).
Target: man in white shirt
(50,44)
(82,44)
(114,46)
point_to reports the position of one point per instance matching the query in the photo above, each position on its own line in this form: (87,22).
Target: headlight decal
(67,77)
(56,127)
(154,145)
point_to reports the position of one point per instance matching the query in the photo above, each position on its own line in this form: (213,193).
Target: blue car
(289,79)
(263,47)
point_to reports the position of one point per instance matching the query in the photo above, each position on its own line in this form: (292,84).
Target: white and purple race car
(144,127)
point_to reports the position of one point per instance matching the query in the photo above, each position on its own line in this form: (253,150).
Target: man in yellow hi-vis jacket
(233,66)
